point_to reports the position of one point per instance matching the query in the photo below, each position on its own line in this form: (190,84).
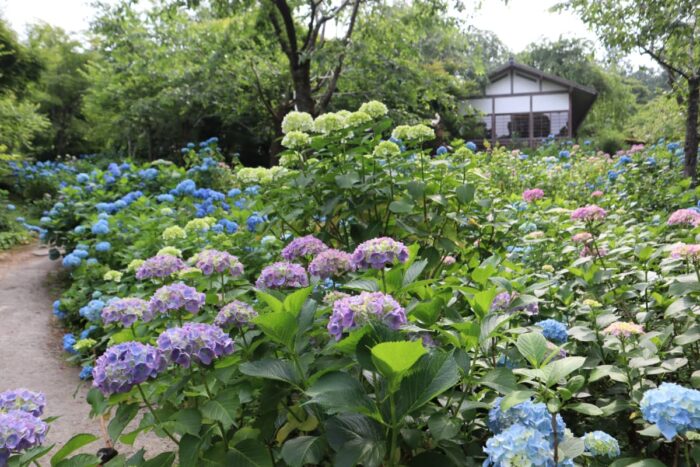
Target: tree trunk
(303,98)
(691,130)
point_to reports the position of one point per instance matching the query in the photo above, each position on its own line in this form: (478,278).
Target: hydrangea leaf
(395,358)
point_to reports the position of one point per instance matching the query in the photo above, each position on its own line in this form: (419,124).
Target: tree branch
(266,102)
(663,62)
(313,36)
(288,20)
(278,33)
(325,100)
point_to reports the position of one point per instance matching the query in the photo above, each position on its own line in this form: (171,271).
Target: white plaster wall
(552,86)
(502,86)
(521,84)
(513,104)
(483,105)
(549,102)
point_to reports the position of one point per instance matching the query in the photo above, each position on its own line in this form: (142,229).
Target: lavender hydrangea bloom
(282,275)
(194,342)
(127,311)
(673,408)
(529,414)
(502,302)
(302,247)
(379,253)
(19,431)
(176,296)
(236,313)
(350,312)
(331,263)
(215,261)
(125,365)
(159,267)
(24,400)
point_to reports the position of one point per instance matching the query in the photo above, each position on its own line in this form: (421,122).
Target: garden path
(31,351)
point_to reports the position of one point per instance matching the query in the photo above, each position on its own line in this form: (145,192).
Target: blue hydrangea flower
(57,310)
(599,443)
(521,446)
(254,220)
(92,311)
(103,246)
(165,198)
(185,187)
(68,343)
(91,261)
(11,207)
(528,414)
(79,229)
(564,154)
(82,254)
(471,146)
(86,372)
(441,150)
(673,408)
(82,178)
(71,261)
(233,192)
(554,330)
(100,227)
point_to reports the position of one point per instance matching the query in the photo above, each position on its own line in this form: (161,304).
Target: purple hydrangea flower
(236,313)
(19,431)
(379,253)
(302,247)
(350,312)
(125,365)
(159,267)
(127,311)
(282,275)
(503,301)
(211,261)
(331,263)
(23,399)
(176,296)
(194,342)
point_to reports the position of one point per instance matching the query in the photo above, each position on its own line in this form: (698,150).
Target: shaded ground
(31,351)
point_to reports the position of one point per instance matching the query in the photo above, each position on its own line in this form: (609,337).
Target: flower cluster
(177,296)
(599,443)
(303,247)
(621,328)
(533,195)
(554,330)
(379,253)
(331,263)
(159,267)
(582,237)
(684,216)
(328,123)
(590,213)
(350,312)
(297,121)
(236,313)
(682,250)
(92,310)
(520,446)
(296,140)
(282,275)
(173,233)
(589,250)
(24,400)
(194,342)
(418,132)
(374,109)
(673,408)
(503,301)
(20,431)
(126,311)
(215,261)
(529,414)
(125,365)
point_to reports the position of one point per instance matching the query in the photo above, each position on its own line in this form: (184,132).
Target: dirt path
(31,352)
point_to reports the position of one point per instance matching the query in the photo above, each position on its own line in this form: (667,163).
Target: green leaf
(125,413)
(414,271)
(586,409)
(465,193)
(395,358)
(249,453)
(571,448)
(367,285)
(223,408)
(357,440)
(187,421)
(433,375)
(501,379)
(188,452)
(339,392)
(81,460)
(532,346)
(280,326)
(72,445)
(401,207)
(295,301)
(273,302)
(515,398)
(165,459)
(280,370)
(303,450)
(637,462)
(442,427)
(559,369)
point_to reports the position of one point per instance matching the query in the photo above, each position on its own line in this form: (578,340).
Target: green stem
(221,425)
(381,273)
(394,431)
(155,416)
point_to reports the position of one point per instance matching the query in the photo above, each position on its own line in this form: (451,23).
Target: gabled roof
(582,97)
(527,69)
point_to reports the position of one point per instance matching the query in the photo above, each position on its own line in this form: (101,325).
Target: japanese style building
(522,105)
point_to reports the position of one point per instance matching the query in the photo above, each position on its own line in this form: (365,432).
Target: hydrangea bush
(382,298)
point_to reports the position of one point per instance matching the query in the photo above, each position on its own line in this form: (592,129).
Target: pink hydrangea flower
(582,237)
(589,213)
(533,195)
(622,328)
(597,194)
(684,216)
(681,250)
(589,250)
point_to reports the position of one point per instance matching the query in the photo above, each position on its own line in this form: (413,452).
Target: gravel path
(32,358)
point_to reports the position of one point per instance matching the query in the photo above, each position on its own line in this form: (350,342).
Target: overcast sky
(517,23)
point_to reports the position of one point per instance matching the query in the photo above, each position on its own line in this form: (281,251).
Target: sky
(517,22)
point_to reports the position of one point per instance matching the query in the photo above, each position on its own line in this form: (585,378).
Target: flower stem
(155,416)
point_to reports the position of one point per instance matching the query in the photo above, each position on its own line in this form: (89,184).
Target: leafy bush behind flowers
(376,301)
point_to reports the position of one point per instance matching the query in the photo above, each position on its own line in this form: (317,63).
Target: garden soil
(31,354)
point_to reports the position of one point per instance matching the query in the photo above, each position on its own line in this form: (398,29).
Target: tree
(666,30)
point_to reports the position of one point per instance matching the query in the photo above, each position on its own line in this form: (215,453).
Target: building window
(550,123)
(513,126)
